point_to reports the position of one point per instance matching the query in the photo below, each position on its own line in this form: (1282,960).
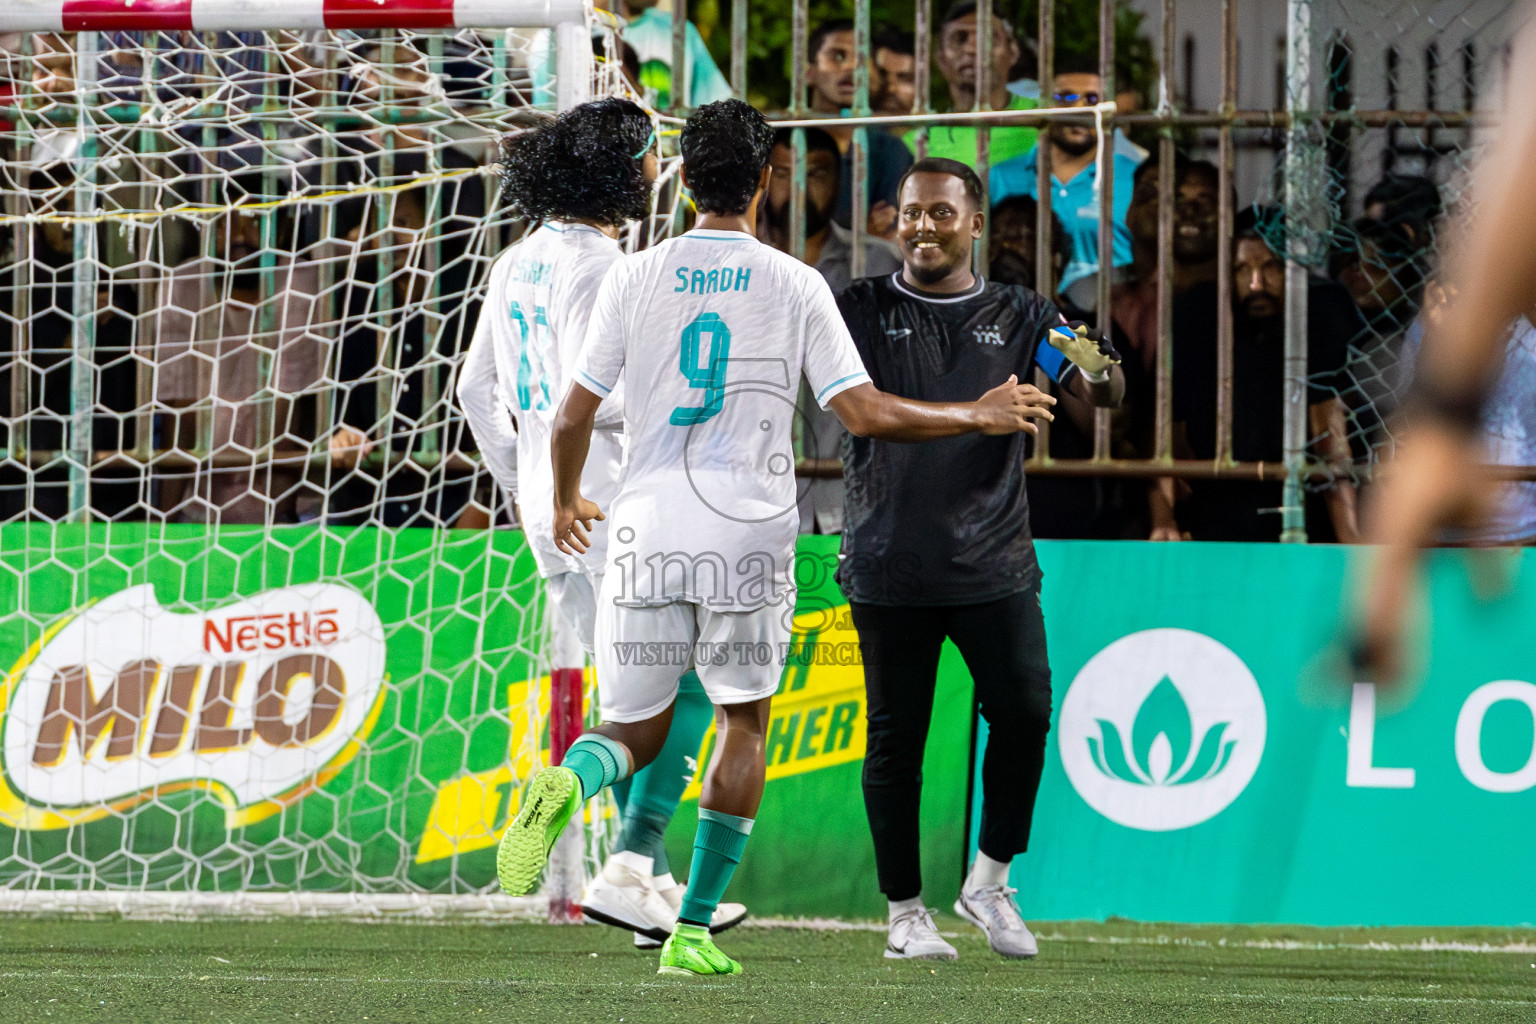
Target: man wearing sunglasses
(1074,152)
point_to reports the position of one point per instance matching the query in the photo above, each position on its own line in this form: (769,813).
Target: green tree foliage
(770,44)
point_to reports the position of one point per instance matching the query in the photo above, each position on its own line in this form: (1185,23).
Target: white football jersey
(537,302)
(712,332)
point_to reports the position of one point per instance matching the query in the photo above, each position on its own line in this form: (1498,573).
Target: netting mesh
(1403,82)
(240,271)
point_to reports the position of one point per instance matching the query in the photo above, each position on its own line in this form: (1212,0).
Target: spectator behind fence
(828,248)
(1059,507)
(649,31)
(1385,272)
(1249,510)
(1197,186)
(36,363)
(896,71)
(1399,198)
(1012,244)
(1507,431)
(218,321)
(1074,164)
(956,57)
(395,358)
(830,76)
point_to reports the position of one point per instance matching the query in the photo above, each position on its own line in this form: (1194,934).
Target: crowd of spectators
(330,339)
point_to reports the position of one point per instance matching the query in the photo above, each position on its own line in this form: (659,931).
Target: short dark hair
(1266,223)
(1407,197)
(964,8)
(1061,242)
(1182,167)
(1075,64)
(953,168)
(583,165)
(889,37)
(725,148)
(820,32)
(816,141)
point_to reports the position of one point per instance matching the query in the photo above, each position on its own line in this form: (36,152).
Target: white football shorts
(575,594)
(641,652)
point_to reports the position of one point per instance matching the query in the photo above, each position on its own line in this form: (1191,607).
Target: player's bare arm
(1491,277)
(569,440)
(1009,408)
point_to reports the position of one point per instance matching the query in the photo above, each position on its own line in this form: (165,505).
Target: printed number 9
(708,374)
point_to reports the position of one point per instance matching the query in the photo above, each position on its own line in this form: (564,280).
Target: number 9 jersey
(711,332)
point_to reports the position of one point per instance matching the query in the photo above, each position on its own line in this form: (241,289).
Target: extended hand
(1085,346)
(1009,408)
(573,523)
(1434,481)
(348,447)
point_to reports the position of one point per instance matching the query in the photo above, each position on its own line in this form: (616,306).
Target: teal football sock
(654,792)
(597,761)
(716,851)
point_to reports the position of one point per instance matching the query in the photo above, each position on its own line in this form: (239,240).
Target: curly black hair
(725,148)
(585,164)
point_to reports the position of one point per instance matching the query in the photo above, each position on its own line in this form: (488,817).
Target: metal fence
(362,159)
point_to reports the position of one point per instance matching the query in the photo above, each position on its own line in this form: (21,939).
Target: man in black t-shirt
(936,545)
(1249,510)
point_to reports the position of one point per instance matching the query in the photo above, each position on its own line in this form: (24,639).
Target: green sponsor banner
(316,709)
(258,708)
(357,709)
(1210,762)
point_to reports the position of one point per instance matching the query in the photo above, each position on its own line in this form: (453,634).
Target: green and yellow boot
(551,800)
(691,952)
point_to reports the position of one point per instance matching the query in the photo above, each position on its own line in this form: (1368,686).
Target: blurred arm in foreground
(1491,270)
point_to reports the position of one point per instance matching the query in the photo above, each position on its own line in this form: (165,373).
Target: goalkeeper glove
(1087,347)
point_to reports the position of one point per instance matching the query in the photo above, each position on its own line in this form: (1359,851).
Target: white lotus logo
(1162,729)
(257,702)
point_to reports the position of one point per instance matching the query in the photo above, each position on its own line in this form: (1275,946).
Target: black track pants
(1003,643)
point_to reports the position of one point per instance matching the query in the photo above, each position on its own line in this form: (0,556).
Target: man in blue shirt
(1074,152)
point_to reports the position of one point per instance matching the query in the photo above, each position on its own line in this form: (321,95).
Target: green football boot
(552,798)
(691,952)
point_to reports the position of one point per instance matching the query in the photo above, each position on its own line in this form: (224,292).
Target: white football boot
(727,915)
(622,895)
(992,909)
(914,936)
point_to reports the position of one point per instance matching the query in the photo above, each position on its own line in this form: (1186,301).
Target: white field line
(492,909)
(629,986)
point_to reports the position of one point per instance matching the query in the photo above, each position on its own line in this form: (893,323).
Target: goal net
(264,625)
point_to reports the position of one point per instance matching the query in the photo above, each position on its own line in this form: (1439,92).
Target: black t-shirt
(1245,510)
(941,522)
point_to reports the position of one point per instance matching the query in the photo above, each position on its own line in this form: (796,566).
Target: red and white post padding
(250,16)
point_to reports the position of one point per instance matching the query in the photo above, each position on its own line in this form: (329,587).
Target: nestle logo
(271,631)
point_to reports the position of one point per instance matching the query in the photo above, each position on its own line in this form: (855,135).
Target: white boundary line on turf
(484,908)
(1422,946)
(491,909)
(630,986)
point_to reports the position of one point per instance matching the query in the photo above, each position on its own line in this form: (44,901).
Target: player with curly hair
(580,177)
(712,332)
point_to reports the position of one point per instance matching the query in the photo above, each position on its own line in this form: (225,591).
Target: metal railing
(101,117)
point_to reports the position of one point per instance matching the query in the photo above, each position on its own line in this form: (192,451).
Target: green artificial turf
(111,970)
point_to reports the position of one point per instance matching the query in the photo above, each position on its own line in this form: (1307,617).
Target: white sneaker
(727,915)
(913,936)
(993,910)
(625,898)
